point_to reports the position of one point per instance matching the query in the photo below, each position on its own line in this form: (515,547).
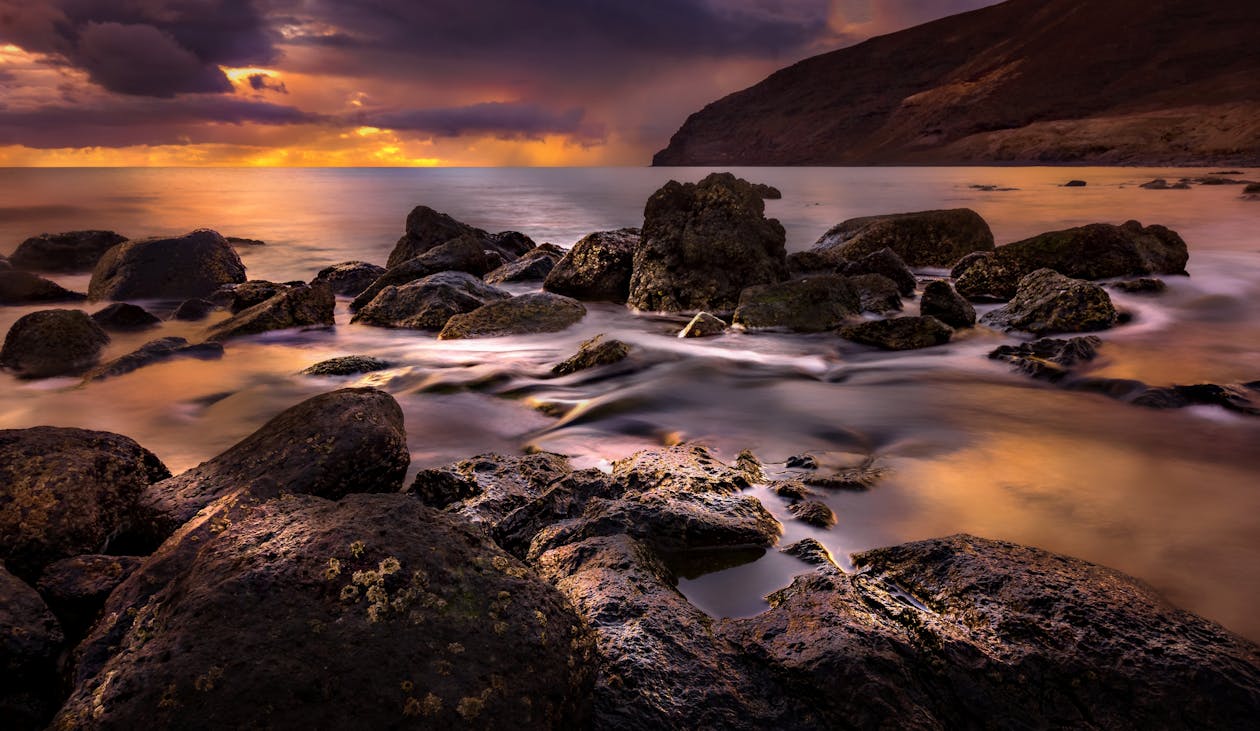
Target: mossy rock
(528,314)
(53,343)
(809,304)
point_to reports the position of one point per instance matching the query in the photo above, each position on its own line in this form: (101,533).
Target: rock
(510,244)
(459,255)
(1161,184)
(188,266)
(428,303)
(1096,251)
(193,310)
(242,241)
(703,325)
(331,445)
(801,462)
(124,317)
(925,239)
(533,265)
(30,642)
(21,288)
(899,333)
(526,314)
(810,262)
(597,268)
(238,297)
(855,479)
(1252,191)
(593,353)
(51,343)
(884,262)
(811,304)
(768,192)
(965,263)
(154,351)
(703,244)
(349,278)
(349,365)
(370,612)
(74,251)
(66,492)
(813,512)
(1244,399)
(1145,285)
(810,550)
(1048,302)
(1049,358)
(487,489)
(4,263)
(941,301)
(427,229)
(791,490)
(76,588)
(1075,184)
(300,306)
(877,293)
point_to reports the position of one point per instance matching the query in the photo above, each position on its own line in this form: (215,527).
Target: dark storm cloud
(503,120)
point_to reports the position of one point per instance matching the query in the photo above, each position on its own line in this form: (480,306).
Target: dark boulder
(74,251)
(238,241)
(1050,359)
(1252,191)
(532,266)
(877,293)
(925,239)
(593,353)
(768,192)
(299,306)
(459,255)
(703,325)
(154,351)
(124,317)
(193,310)
(810,304)
(884,262)
(1047,302)
(899,333)
(370,612)
(238,297)
(66,492)
(527,314)
(76,588)
(1162,184)
(597,268)
(810,262)
(349,365)
(52,343)
(21,288)
(428,303)
(1145,285)
(941,301)
(192,265)
(1075,184)
(813,512)
(349,278)
(30,642)
(965,263)
(427,229)
(703,244)
(1241,399)
(331,445)
(810,551)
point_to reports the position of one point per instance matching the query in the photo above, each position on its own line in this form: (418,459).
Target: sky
(395,82)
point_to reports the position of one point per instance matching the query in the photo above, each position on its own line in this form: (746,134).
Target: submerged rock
(348,365)
(878,294)
(810,550)
(427,304)
(154,351)
(1049,358)
(1075,184)
(924,239)
(811,304)
(76,588)
(459,255)
(533,265)
(886,263)
(1048,302)
(193,310)
(941,301)
(1242,399)
(1162,184)
(21,288)
(899,333)
(593,353)
(1145,285)
(73,251)
(526,314)
(124,317)
(703,325)
(52,343)
(703,244)
(349,278)
(1252,191)
(597,268)
(299,306)
(428,229)
(814,512)
(66,492)
(192,265)
(30,642)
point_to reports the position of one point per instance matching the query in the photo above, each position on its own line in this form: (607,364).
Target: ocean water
(1170,497)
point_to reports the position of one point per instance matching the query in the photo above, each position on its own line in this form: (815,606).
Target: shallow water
(1170,497)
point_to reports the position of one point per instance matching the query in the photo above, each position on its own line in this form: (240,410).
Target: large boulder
(30,642)
(349,278)
(941,301)
(299,306)
(154,351)
(352,440)
(192,265)
(52,343)
(458,255)
(1047,302)
(899,333)
(703,244)
(886,263)
(428,229)
(370,612)
(810,304)
(597,268)
(73,251)
(1096,251)
(66,492)
(533,266)
(125,317)
(527,314)
(76,588)
(22,288)
(427,304)
(924,239)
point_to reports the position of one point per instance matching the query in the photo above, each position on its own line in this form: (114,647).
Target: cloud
(264,82)
(502,120)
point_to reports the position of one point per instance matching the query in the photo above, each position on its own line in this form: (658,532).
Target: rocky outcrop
(1050,359)
(534,265)
(23,288)
(154,351)
(899,333)
(597,268)
(810,304)
(348,365)
(30,641)
(73,251)
(703,244)
(703,325)
(124,317)
(76,588)
(378,612)
(941,301)
(593,353)
(299,306)
(349,278)
(924,239)
(459,255)
(878,294)
(427,229)
(192,265)
(331,445)
(66,492)
(52,343)
(527,314)
(1096,251)
(427,304)
(1047,302)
